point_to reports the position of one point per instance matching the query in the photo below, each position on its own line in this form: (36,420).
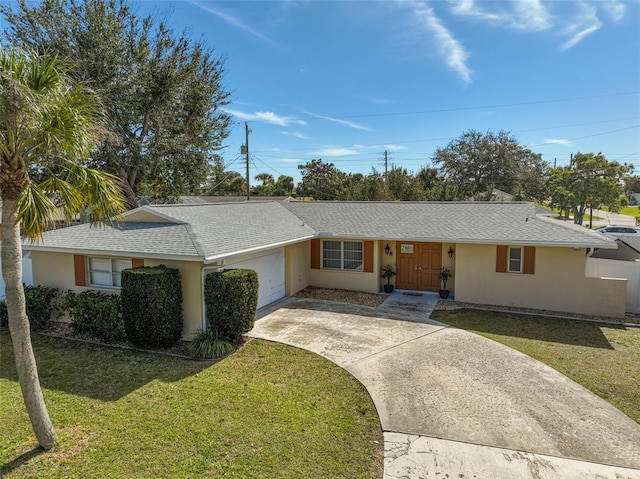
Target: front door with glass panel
(418,265)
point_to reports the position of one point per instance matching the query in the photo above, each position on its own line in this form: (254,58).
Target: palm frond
(35,210)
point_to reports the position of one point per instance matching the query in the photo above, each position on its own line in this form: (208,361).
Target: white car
(619,231)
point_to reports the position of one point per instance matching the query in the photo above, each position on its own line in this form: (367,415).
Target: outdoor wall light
(450,253)
(387,250)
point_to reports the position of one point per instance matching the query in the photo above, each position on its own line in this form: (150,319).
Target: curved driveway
(452,402)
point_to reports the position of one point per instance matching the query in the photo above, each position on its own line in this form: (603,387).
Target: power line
(426,140)
(448,110)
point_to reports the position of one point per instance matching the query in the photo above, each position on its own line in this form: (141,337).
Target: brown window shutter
(501,258)
(137,262)
(315,253)
(80,270)
(529,259)
(368,257)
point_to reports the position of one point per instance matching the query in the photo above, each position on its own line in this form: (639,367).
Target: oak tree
(162,92)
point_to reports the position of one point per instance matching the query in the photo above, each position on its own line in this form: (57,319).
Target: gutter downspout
(203,275)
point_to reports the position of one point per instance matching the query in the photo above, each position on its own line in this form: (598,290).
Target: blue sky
(345,81)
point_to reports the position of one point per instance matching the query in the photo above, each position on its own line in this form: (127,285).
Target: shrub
(4,315)
(231,299)
(39,304)
(152,306)
(208,344)
(95,314)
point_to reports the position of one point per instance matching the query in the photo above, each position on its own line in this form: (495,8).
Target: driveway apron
(452,402)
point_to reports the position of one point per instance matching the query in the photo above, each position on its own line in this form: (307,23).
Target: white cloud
(230,19)
(454,54)
(574,21)
(530,15)
(296,134)
(337,151)
(581,26)
(555,141)
(290,160)
(616,10)
(266,117)
(340,121)
(395,147)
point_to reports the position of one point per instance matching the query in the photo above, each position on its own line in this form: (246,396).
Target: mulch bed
(342,296)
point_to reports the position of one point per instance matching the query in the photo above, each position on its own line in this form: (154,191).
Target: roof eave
(130,254)
(218,257)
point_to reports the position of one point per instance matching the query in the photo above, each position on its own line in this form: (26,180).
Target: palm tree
(47,128)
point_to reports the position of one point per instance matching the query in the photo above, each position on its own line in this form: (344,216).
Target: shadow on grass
(541,328)
(96,372)
(20,461)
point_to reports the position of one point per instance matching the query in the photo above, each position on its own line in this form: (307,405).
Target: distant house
(501,253)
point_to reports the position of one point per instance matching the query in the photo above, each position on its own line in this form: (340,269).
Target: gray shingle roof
(209,231)
(470,222)
(144,239)
(201,232)
(220,229)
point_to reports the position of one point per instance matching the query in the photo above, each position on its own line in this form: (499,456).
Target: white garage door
(270,269)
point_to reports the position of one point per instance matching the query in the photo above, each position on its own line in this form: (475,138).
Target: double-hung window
(344,255)
(515,260)
(107,272)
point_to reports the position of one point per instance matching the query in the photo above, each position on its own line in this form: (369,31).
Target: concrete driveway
(451,402)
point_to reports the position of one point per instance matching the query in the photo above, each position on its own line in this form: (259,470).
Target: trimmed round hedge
(152,306)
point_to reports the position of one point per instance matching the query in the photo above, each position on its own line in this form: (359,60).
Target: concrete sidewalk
(451,402)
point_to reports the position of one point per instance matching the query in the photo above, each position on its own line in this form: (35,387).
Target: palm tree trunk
(11,253)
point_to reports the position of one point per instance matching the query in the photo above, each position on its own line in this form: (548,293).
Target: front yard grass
(267,411)
(604,358)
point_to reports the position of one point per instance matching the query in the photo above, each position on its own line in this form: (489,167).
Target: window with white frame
(107,272)
(515,260)
(345,255)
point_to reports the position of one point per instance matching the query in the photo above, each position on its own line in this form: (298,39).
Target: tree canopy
(591,181)
(162,92)
(478,162)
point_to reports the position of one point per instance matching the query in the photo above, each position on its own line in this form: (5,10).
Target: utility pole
(385,165)
(246,152)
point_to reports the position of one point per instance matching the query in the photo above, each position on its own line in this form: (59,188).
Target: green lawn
(630,210)
(267,411)
(603,358)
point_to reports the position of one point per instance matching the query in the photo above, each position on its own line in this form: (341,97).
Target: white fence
(609,268)
(27,276)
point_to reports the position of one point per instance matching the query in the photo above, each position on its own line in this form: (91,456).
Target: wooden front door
(418,265)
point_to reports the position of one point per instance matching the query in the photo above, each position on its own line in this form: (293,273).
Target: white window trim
(112,272)
(521,270)
(342,259)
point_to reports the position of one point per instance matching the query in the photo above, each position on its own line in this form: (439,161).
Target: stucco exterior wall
(450,264)
(558,284)
(296,263)
(352,280)
(56,270)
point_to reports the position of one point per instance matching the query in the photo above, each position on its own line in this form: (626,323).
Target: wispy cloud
(581,26)
(290,160)
(266,117)
(341,151)
(615,9)
(230,19)
(296,134)
(454,54)
(556,141)
(522,14)
(340,121)
(572,20)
